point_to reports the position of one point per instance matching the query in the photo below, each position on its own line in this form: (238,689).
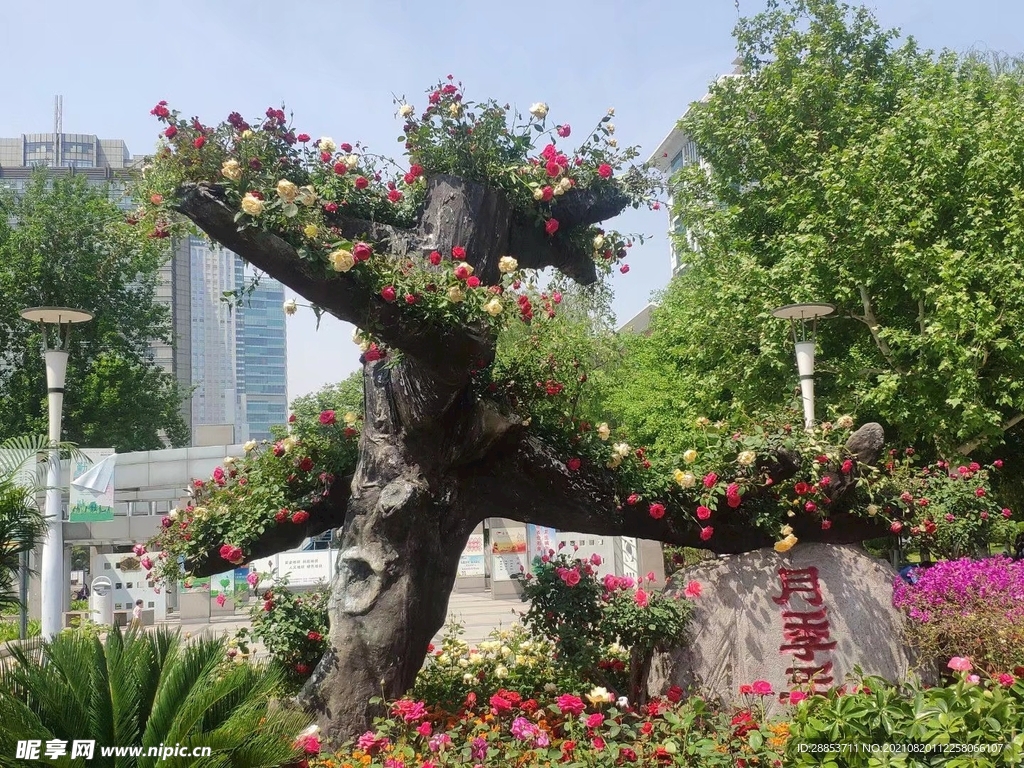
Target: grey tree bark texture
(434,460)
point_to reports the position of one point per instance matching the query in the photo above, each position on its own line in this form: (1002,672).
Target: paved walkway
(478,613)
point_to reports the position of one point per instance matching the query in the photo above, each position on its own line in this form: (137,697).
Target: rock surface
(817,611)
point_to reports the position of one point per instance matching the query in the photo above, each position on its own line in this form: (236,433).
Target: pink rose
(327,418)
(641,598)
(706,533)
(657,510)
(703,513)
(710,479)
(795,697)
(762,688)
(960,664)
(693,589)
(595,720)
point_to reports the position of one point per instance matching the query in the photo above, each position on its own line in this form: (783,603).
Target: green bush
(972,723)
(11,630)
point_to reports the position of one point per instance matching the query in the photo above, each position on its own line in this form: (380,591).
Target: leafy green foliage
(850,167)
(147,689)
(344,397)
(292,626)
(963,725)
(71,246)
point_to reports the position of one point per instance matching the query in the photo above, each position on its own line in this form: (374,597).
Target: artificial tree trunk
(434,459)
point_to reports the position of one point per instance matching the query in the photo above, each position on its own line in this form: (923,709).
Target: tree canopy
(848,166)
(63,243)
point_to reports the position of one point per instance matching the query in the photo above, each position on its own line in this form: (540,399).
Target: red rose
(604,171)
(394,195)
(302,669)
(316,637)
(331,207)
(340,168)
(327,418)
(349,432)
(362,182)
(306,464)
(573,464)
(810,506)
(303,137)
(551,226)
(300,516)
(281,516)
(171,132)
(388,293)
(410,298)
(553,168)
(326,157)
(710,479)
(346,147)
(473,281)
(624,268)
(547,193)
(361,252)
(896,526)
(572,577)
(409,178)
(674,694)
(703,513)
(657,510)
(564,131)
(998,463)
(458,252)
(826,524)
(160,110)
(373,354)
(706,533)
(198,143)
(435,258)
(633,498)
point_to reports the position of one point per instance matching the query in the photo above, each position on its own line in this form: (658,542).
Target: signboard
(305,569)
(129,582)
(508,552)
(630,557)
(92,486)
(472,561)
(241,583)
(191,584)
(539,541)
(223,584)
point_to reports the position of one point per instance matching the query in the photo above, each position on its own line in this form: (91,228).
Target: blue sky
(336,66)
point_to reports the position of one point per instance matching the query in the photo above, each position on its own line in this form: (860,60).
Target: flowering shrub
(292,626)
(583,617)
(972,722)
(564,729)
(510,659)
(274,483)
(967,608)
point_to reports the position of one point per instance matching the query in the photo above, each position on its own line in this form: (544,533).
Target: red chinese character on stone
(799,581)
(806,632)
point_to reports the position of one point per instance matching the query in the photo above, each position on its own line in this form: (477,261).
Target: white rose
(746,458)
(613,142)
(229,460)
(493,307)
(468,678)
(872,510)
(406,110)
(507,264)
(287,190)
(249,446)
(342,260)
(598,242)
(622,702)
(603,431)
(610,128)
(500,672)
(844,422)
(622,450)
(173,514)
(252,205)
(550,687)
(690,456)
(351,161)
(455,294)
(231,170)
(327,145)
(538,194)
(539,110)
(611,111)
(307,196)
(290,307)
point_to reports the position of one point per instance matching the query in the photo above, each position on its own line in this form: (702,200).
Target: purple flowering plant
(967,608)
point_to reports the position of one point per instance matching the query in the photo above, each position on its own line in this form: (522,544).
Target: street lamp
(55,325)
(804,320)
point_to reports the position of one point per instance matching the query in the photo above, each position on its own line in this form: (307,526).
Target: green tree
(69,245)
(146,689)
(344,397)
(851,167)
(21,524)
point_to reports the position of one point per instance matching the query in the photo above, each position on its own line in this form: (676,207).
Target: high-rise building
(676,151)
(233,359)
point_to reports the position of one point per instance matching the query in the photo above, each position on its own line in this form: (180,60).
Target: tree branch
(448,351)
(534,486)
(871,322)
(971,445)
(325,516)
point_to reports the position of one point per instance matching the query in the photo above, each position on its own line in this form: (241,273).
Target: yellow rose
(455,110)
(613,143)
(746,458)
(610,127)
(250,445)
(311,231)
(786,544)
(288,443)
(252,205)
(350,418)
(690,456)
(247,134)
(599,696)
(455,294)
(622,450)
(614,462)
(231,170)
(598,242)
(342,260)
(703,421)
(603,431)
(287,190)
(493,307)
(786,530)
(539,110)
(685,479)
(844,422)
(872,510)
(290,307)
(307,196)
(327,144)
(406,110)
(507,264)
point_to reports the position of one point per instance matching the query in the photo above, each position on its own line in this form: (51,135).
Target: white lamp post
(55,324)
(804,321)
